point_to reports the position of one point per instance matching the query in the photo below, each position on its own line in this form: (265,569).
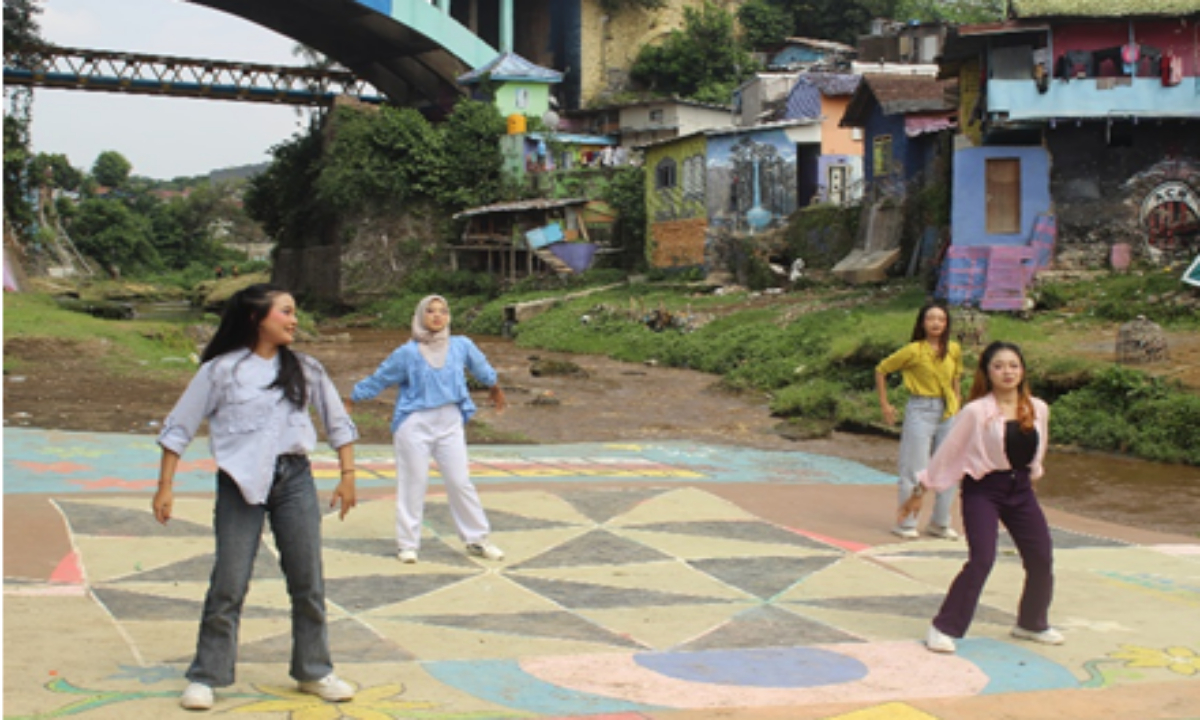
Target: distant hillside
(240,172)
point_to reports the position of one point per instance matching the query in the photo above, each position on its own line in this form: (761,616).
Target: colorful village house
(825,96)
(800,54)
(724,181)
(1079,127)
(905,121)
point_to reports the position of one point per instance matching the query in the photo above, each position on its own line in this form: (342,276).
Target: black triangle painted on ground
(768,626)
(432,550)
(366,592)
(199,569)
(108,521)
(915,606)
(598,547)
(600,506)
(437,517)
(128,605)
(579,596)
(763,577)
(349,642)
(743,530)
(556,625)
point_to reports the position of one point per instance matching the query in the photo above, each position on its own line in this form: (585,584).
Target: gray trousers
(296,524)
(920,436)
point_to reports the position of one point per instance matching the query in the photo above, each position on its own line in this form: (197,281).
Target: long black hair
(918,332)
(239,330)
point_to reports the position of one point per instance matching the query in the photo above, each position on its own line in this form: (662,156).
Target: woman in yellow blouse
(931,366)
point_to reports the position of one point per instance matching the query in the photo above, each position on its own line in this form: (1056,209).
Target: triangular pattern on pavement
(666,627)
(438,518)
(367,592)
(600,506)
(694,504)
(482,593)
(103,520)
(349,642)
(743,530)
(555,625)
(769,626)
(599,547)
(577,596)
(666,576)
(198,569)
(763,577)
(128,605)
(914,606)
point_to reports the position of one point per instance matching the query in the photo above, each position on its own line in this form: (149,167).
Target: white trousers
(436,433)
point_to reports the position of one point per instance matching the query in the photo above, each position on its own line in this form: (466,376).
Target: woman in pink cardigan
(995,451)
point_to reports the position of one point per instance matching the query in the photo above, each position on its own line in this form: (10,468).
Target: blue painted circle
(762,667)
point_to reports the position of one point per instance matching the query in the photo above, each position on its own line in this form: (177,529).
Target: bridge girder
(407,66)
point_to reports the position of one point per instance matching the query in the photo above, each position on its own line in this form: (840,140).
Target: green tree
(20,30)
(703,61)
(954,11)
(764,23)
(283,198)
(473,163)
(17,211)
(115,236)
(54,170)
(111,169)
(626,193)
(379,158)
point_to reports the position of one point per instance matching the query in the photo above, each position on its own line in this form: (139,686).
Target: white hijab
(433,345)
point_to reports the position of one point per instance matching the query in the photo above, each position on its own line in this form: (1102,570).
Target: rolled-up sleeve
(392,371)
(193,407)
(478,365)
(339,427)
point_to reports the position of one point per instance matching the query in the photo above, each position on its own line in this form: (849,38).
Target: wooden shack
(506,238)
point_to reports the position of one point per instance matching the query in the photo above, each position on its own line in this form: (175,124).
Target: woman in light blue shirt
(255,393)
(432,408)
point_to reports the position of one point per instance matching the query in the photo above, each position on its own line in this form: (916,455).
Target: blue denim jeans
(296,524)
(920,436)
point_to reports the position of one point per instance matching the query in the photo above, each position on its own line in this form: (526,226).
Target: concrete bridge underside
(412,52)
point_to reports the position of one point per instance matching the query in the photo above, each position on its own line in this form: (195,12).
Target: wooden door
(1003,196)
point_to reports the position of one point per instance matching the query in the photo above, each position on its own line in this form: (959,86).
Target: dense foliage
(704,61)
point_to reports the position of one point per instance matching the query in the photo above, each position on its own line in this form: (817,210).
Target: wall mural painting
(678,184)
(753,181)
(1166,198)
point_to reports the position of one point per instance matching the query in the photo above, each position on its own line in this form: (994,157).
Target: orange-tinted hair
(982,385)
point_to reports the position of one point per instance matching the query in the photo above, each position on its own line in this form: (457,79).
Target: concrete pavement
(664,581)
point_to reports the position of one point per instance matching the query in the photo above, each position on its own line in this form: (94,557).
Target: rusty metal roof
(897,95)
(521,206)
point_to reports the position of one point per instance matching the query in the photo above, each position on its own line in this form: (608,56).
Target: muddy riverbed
(64,385)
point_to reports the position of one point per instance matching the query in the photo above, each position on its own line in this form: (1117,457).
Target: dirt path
(65,386)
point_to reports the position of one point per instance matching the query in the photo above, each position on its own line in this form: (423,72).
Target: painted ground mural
(642,582)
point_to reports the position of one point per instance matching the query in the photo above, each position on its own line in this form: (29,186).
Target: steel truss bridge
(139,74)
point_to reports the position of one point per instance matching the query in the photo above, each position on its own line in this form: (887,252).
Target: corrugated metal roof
(1103,8)
(521,206)
(820,44)
(831,84)
(511,66)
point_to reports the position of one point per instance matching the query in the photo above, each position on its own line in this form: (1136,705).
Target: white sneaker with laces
(407,556)
(938,641)
(906,533)
(1049,636)
(196,696)
(943,532)
(485,550)
(330,688)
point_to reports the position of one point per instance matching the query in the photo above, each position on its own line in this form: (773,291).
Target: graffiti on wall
(1166,198)
(752,180)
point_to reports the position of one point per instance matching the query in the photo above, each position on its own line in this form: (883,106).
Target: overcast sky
(162,137)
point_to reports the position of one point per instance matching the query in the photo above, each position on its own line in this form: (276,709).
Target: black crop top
(1019,446)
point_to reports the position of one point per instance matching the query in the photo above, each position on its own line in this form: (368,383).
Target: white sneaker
(330,688)
(906,533)
(196,696)
(1049,636)
(485,550)
(939,531)
(938,641)
(407,556)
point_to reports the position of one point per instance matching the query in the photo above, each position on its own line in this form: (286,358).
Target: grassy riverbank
(811,351)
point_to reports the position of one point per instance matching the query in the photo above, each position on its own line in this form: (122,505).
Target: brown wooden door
(1003,196)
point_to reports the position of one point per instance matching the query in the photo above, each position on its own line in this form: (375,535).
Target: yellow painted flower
(370,704)
(1181,660)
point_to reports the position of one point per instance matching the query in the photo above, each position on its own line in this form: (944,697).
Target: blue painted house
(1079,129)
(902,118)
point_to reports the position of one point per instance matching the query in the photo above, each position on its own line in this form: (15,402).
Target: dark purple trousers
(1001,497)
